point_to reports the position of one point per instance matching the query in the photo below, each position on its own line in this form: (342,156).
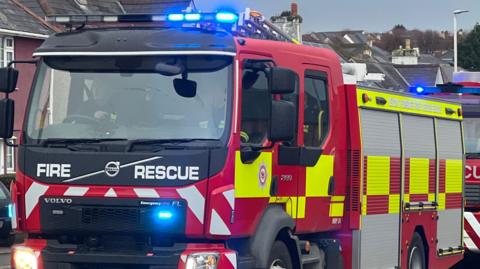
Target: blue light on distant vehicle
(226,17)
(420,89)
(193,17)
(164,215)
(176,17)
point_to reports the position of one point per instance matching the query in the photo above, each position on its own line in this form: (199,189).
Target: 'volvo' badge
(112,169)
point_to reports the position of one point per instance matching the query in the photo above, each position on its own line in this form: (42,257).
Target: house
(21,32)
(70,7)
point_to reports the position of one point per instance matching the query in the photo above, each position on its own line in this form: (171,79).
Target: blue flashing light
(420,89)
(176,17)
(226,17)
(193,17)
(10,211)
(164,215)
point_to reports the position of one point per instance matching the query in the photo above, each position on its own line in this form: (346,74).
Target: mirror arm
(22,62)
(9,144)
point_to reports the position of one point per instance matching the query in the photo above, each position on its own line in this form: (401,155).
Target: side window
(256,101)
(316,110)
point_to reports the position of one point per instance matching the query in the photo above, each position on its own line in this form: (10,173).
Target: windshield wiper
(67,142)
(170,142)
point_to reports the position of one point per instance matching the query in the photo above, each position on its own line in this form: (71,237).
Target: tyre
(279,257)
(416,253)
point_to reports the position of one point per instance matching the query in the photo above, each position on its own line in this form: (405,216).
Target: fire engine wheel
(416,253)
(280,256)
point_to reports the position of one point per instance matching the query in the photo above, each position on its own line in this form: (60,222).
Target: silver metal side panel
(379,241)
(380,133)
(449,140)
(419,137)
(449,229)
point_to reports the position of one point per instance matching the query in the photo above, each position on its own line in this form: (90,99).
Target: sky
(368,15)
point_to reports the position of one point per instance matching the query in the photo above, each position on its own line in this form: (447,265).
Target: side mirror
(185,88)
(7,109)
(8,79)
(283,121)
(282,80)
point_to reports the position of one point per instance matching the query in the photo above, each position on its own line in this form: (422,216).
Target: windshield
(131,98)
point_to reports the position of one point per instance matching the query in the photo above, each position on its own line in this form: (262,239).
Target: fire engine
(198,140)
(466,90)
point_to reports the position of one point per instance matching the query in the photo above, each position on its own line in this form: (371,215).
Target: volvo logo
(58,200)
(112,169)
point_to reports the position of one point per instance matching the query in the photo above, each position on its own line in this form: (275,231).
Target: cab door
(311,155)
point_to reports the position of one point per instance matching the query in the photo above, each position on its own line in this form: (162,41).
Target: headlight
(24,258)
(202,261)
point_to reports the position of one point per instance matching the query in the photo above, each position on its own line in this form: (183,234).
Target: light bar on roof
(422,90)
(186,17)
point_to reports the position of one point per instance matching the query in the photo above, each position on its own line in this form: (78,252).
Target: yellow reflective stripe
(302,201)
(453,176)
(336,210)
(279,200)
(406,198)
(247,181)
(294,206)
(419,174)
(338,198)
(441,201)
(378,175)
(408,104)
(319,176)
(431,197)
(394,203)
(364,205)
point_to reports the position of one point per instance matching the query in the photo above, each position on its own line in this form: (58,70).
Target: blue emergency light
(176,17)
(446,88)
(164,215)
(226,17)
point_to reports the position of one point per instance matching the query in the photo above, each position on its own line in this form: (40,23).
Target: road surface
(4,258)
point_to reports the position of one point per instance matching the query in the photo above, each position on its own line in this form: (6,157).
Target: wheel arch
(421,231)
(274,224)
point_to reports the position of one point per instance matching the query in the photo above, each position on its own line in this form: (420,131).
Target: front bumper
(51,256)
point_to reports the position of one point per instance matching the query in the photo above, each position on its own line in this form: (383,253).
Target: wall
(24,48)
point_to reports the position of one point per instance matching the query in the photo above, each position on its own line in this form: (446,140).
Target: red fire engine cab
(166,141)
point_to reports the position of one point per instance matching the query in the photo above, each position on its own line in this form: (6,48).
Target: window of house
(256,101)
(316,114)
(7,160)
(11,157)
(6,51)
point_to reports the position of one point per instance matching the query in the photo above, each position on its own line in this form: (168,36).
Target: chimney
(408,44)
(294,9)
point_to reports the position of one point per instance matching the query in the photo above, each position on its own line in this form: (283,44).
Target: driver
(101,106)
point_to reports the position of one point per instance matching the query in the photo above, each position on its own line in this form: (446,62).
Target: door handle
(331,186)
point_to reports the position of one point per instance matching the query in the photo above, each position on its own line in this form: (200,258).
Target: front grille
(472,194)
(127,218)
(104,215)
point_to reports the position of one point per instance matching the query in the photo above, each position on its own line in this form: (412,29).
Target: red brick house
(21,32)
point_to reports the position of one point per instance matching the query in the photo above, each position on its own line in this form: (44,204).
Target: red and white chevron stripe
(471,234)
(194,195)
